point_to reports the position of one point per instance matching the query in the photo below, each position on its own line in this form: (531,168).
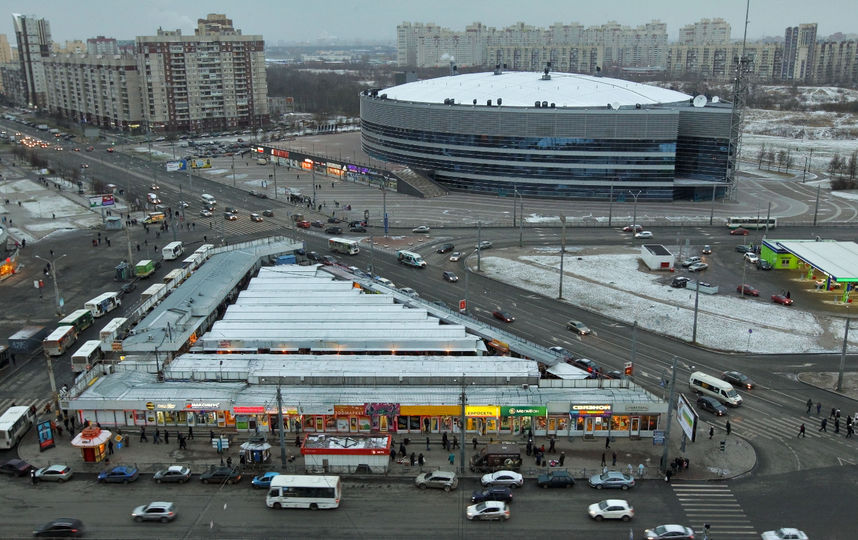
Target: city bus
(344,246)
(13,424)
(103,304)
(87,356)
(752,222)
(81,319)
(172,250)
(111,332)
(60,340)
(304,491)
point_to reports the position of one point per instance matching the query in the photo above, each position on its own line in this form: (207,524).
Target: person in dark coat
(393,454)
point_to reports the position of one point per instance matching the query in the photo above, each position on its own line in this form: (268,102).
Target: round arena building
(557,135)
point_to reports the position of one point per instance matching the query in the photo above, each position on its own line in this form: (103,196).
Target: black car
(313,256)
(745,248)
(334,230)
(268,213)
(61,527)
(128,287)
(679,282)
(328,260)
(334,220)
(739,379)
(493,494)
(712,405)
(763,264)
(555,479)
(587,365)
(16,467)
(219,475)
(444,248)
(357,228)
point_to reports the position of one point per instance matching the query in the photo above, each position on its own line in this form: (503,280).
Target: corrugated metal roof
(837,259)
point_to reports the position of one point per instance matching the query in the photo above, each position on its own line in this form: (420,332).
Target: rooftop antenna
(740,92)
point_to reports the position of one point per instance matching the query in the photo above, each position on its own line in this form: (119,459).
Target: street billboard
(97,201)
(173,166)
(687,417)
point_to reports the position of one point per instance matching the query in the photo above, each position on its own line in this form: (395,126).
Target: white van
(172,251)
(208,199)
(410,258)
(386,282)
(723,391)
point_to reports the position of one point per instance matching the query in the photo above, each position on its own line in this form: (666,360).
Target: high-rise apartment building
(34,46)
(705,32)
(102,45)
(799,49)
(5,50)
(214,79)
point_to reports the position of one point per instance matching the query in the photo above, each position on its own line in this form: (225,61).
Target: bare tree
(834,165)
(761,156)
(853,164)
(781,159)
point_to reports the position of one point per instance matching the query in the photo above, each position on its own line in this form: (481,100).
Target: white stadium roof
(523,89)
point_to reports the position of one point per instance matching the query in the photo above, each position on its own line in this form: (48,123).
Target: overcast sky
(296,20)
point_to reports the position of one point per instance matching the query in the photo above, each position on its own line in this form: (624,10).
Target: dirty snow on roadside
(629,292)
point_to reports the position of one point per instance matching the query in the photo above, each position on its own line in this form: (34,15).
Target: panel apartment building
(33,36)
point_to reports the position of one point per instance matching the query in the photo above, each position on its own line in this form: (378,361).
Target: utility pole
(52,380)
(843,357)
(611,206)
(768,217)
(384,204)
(521,222)
(816,207)
(479,241)
(669,418)
(712,210)
(280,427)
(635,210)
(696,303)
(463,430)
(53,264)
(274,171)
(130,252)
(514,193)
(233,170)
(562,252)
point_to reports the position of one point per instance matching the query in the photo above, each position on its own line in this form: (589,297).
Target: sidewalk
(583,457)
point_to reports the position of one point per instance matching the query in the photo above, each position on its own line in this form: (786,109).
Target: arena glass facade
(666,151)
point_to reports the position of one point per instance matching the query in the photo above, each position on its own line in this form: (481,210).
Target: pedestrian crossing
(40,404)
(715,504)
(778,428)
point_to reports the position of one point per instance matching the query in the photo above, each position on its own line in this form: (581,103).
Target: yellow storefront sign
(430,410)
(482,410)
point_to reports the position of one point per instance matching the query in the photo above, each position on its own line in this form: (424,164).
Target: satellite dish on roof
(716,99)
(615,105)
(699,101)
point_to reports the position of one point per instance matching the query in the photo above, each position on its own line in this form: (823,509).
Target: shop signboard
(381,409)
(249,410)
(349,410)
(203,405)
(587,409)
(658,437)
(524,410)
(486,411)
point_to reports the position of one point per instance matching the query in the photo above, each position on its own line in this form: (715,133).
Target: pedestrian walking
(455,442)
(613,459)
(562,458)
(412,459)
(823,425)
(229,462)
(401,450)
(801,432)
(143,437)
(166,437)
(729,427)
(109,447)
(607,442)
(818,407)
(444,439)
(538,459)
(667,474)
(393,454)
(809,405)
(711,431)
(427,444)
(836,425)
(529,448)
(603,459)
(190,433)
(211,435)
(33,476)
(641,470)
(452,458)
(551,443)
(157,438)
(629,467)
(833,410)
(60,431)
(420,459)
(475,443)
(850,431)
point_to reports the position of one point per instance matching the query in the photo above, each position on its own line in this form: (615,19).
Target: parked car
(455,256)
(587,365)
(698,267)
(451,277)
(488,510)
(122,474)
(737,378)
(60,527)
(303,224)
(671,532)
(751,258)
(643,234)
(127,287)
(219,475)
(444,248)
(328,260)
(16,467)
(502,478)
(408,291)
(707,250)
(334,220)
(633,228)
(255,217)
(763,264)
(155,511)
(437,479)
(268,213)
(313,256)
(680,282)
(357,228)
(173,473)
(691,260)
(781,299)
(712,405)
(318,224)
(54,473)
(503,316)
(485,244)
(499,493)
(747,290)
(578,327)
(786,533)
(612,480)
(611,509)
(745,248)
(420,229)
(334,230)
(554,479)
(263,480)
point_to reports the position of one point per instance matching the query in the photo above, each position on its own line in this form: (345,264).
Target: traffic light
(629,369)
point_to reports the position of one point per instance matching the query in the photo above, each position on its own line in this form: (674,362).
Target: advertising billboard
(687,417)
(101,200)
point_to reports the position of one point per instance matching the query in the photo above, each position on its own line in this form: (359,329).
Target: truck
(144,269)
(494,457)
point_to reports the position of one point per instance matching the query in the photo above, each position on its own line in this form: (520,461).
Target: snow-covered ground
(629,292)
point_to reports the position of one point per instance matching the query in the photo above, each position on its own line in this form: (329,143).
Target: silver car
(54,473)
(155,511)
(437,479)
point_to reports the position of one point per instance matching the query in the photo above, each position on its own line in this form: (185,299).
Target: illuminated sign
(482,410)
(524,411)
(590,410)
(249,410)
(349,410)
(202,405)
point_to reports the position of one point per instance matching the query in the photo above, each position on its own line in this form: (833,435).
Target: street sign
(462,305)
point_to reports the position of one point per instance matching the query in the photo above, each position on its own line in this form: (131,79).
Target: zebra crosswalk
(40,404)
(715,504)
(778,428)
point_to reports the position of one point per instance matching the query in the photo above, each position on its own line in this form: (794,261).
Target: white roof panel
(837,259)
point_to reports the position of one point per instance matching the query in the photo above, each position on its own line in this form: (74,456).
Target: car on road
(255,217)
(707,250)
(318,224)
(698,267)
(711,405)
(90,148)
(498,493)
(328,260)
(612,480)
(751,258)
(219,475)
(268,213)
(444,248)
(334,220)
(155,187)
(737,378)
(451,277)
(357,228)
(173,473)
(206,213)
(60,528)
(229,216)
(313,256)
(588,365)
(763,264)
(502,478)
(16,467)
(54,473)
(128,287)
(680,282)
(303,224)
(669,532)
(504,316)
(786,533)
(485,244)
(691,260)
(263,480)
(119,475)
(84,165)
(554,479)
(334,230)
(781,299)
(745,248)
(488,510)
(155,511)
(184,204)
(408,291)
(578,327)
(633,228)
(611,509)
(747,290)
(643,234)
(455,256)
(445,480)
(739,231)
(420,229)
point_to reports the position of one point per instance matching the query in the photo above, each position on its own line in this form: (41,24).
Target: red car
(781,299)
(503,316)
(739,231)
(747,290)
(110,150)
(633,228)
(303,224)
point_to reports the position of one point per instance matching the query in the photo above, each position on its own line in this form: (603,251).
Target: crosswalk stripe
(716,505)
(27,402)
(777,428)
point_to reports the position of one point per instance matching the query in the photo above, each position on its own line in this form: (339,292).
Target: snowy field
(636,294)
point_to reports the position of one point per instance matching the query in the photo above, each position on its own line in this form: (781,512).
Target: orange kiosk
(92,442)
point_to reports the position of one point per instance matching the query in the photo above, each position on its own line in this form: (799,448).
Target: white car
(485,244)
(751,258)
(611,509)
(455,256)
(54,473)
(421,229)
(697,267)
(644,234)
(691,260)
(409,291)
(578,327)
(786,533)
(488,510)
(502,478)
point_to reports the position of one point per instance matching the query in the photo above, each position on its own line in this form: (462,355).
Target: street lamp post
(562,252)
(635,208)
(53,264)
